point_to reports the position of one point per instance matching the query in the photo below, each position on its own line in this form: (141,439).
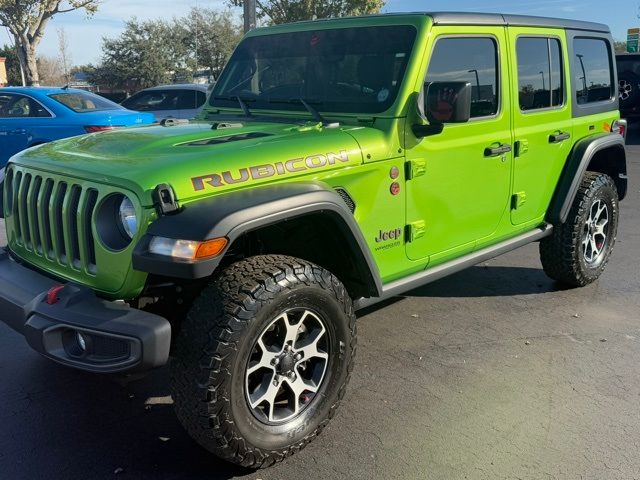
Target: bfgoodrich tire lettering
(216,343)
(567,255)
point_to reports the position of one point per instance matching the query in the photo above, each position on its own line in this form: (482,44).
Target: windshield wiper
(241,101)
(315,114)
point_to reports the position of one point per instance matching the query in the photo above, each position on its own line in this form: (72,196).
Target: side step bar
(436,273)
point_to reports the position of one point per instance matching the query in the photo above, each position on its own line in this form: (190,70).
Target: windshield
(83,102)
(358,70)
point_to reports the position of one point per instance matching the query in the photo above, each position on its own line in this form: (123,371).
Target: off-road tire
(217,337)
(562,253)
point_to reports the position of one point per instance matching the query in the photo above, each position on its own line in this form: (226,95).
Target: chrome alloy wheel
(287,366)
(596,229)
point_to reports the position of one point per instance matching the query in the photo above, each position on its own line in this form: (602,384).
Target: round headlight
(128,218)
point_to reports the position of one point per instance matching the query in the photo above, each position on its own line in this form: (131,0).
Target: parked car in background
(629,85)
(34,115)
(170,101)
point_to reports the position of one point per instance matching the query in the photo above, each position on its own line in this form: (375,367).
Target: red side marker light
(52,294)
(395,188)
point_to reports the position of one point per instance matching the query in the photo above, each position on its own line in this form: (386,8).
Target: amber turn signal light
(211,248)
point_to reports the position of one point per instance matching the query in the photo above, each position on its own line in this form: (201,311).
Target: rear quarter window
(593,72)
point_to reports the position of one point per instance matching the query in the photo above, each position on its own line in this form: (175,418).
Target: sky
(85,34)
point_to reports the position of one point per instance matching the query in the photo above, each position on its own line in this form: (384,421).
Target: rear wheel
(263,359)
(577,252)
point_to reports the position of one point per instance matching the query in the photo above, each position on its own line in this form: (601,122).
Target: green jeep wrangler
(338,163)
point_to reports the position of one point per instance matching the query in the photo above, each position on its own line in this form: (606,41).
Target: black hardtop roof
(472,18)
(463,18)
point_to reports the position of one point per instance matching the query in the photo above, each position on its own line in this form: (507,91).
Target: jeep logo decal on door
(386,235)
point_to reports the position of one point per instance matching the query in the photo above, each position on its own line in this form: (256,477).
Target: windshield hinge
(164,199)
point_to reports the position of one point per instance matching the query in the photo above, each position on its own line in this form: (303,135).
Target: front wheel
(578,250)
(263,359)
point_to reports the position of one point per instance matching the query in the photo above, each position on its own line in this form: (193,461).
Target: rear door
(541,117)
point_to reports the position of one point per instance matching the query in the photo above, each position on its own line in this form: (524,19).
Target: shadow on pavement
(93,426)
(490,281)
(480,281)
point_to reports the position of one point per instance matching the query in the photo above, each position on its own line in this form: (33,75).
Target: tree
(620,46)
(284,11)
(64,55)
(144,55)
(209,38)
(13,65)
(51,71)
(27,21)
(154,52)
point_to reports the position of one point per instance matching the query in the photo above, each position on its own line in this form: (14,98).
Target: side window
(592,76)
(540,80)
(156,100)
(5,100)
(185,100)
(17,106)
(201,97)
(473,60)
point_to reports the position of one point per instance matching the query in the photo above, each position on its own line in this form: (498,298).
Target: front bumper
(78,329)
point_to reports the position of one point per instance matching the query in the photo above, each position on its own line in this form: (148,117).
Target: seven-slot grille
(52,218)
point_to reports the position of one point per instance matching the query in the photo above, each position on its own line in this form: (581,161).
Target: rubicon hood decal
(259,172)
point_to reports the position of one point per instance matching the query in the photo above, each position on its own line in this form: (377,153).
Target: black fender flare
(233,214)
(577,164)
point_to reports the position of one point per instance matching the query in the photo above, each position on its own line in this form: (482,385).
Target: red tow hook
(52,294)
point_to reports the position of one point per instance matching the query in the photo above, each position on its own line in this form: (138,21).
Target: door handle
(559,137)
(18,131)
(497,151)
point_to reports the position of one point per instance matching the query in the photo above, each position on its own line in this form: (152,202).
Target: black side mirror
(448,102)
(444,102)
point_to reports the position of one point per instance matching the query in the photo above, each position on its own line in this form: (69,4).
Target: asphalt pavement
(492,373)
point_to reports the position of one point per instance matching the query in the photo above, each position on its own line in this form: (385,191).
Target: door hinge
(522,147)
(415,168)
(416,230)
(518,200)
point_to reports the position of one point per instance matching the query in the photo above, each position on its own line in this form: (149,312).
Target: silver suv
(170,101)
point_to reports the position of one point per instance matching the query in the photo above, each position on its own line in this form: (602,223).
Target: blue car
(33,115)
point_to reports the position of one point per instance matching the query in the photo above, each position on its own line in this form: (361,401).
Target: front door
(21,118)
(542,120)
(459,188)
(13,134)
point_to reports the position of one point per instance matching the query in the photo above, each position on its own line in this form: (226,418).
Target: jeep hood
(197,159)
